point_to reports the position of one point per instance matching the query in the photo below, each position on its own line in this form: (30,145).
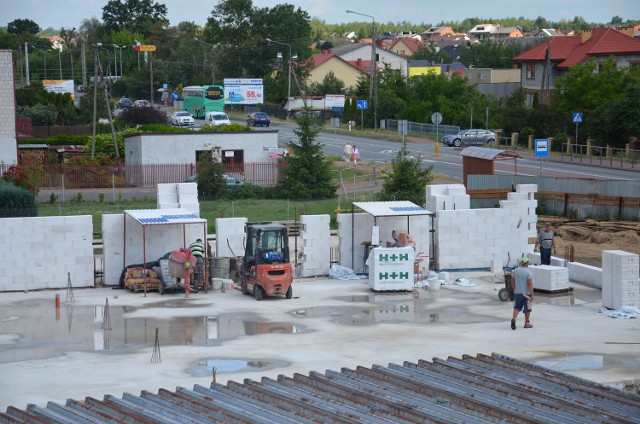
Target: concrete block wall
(182,195)
(477,238)
(38,252)
(316,245)
(159,239)
(417,226)
(549,277)
(447,197)
(620,279)
(230,232)
(8,145)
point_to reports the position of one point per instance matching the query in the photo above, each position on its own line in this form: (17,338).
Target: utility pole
(60,62)
(84,65)
(26,61)
(95,98)
(115,61)
(151,79)
(373,87)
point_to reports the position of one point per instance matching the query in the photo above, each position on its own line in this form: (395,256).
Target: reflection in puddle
(413,311)
(585,361)
(28,330)
(205,367)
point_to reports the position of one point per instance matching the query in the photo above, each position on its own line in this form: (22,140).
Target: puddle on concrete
(407,311)
(586,361)
(36,329)
(205,367)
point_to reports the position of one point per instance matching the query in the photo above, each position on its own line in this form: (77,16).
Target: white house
(362,51)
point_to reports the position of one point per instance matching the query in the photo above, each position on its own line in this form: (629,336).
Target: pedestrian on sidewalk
(546,242)
(356,155)
(522,285)
(347,152)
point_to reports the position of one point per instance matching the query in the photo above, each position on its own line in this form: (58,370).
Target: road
(450,162)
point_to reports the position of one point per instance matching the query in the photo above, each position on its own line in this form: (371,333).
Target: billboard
(58,86)
(243,91)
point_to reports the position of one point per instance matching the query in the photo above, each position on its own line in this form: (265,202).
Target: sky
(70,13)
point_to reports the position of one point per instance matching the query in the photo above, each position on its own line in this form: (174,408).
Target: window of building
(531,71)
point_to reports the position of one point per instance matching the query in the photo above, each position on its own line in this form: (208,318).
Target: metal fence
(97,176)
(608,156)
(422,129)
(571,197)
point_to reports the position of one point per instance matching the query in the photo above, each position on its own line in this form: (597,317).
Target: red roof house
(565,52)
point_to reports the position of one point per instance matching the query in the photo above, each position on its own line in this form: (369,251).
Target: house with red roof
(405,46)
(600,44)
(348,71)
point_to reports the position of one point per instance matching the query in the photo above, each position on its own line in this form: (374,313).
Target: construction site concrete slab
(49,353)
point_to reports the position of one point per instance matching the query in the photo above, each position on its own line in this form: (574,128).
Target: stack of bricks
(183,195)
(8,147)
(448,197)
(316,245)
(620,279)
(550,278)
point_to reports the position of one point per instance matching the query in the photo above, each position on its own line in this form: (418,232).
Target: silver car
(181,119)
(469,137)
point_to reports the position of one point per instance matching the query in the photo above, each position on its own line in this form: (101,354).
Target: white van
(216,119)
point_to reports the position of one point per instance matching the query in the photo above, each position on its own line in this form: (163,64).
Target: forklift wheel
(289,294)
(257,292)
(504,295)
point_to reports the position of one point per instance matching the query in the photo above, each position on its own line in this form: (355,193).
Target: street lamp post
(115,61)
(120,48)
(26,61)
(213,57)
(373,87)
(269,40)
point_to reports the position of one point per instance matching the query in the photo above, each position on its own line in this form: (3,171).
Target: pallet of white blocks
(550,279)
(188,197)
(620,279)
(316,243)
(230,237)
(167,196)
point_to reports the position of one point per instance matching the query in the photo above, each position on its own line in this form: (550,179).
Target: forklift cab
(266,244)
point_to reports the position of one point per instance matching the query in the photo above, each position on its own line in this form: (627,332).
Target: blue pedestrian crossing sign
(542,147)
(577,117)
(362,104)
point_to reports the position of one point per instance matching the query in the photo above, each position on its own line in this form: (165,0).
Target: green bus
(200,99)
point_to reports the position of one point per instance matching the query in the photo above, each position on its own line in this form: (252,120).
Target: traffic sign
(144,48)
(577,117)
(436,118)
(362,104)
(542,147)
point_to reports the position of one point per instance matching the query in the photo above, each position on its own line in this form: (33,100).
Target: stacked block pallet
(620,279)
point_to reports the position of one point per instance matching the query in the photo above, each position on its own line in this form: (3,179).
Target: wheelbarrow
(506,293)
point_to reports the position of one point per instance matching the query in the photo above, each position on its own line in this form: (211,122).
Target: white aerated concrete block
(187,188)
(585,274)
(620,279)
(316,250)
(191,207)
(527,188)
(230,237)
(550,278)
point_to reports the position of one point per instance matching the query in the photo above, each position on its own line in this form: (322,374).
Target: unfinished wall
(475,238)
(316,245)
(38,252)
(417,226)
(160,239)
(230,238)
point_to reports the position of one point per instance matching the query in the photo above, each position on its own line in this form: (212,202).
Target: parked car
(181,119)
(231,180)
(141,103)
(258,118)
(216,119)
(469,137)
(123,103)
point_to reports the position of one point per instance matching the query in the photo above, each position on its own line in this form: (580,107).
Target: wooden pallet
(151,285)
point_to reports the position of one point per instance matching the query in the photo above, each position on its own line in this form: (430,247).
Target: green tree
(142,116)
(308,172)
(23,26)
(615,121)
(133,15)
(211,181)
(407,180)
(515,115)
(330,85)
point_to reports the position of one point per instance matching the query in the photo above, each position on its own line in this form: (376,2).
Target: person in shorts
(522,285)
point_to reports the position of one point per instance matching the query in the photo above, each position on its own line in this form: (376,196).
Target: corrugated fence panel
(575,197)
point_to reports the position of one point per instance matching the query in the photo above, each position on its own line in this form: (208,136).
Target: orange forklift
(266,269)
